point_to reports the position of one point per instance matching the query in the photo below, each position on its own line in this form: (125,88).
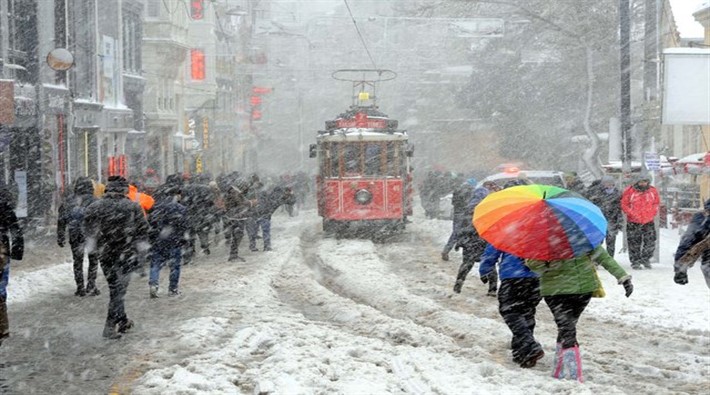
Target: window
(153,8)
(131,42)
(372,159)
(351,159)
(22,36)
(197,62)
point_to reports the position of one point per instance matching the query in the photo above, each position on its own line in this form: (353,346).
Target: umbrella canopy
(540,222)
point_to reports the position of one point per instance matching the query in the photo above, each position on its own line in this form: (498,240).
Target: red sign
(255,101)
(197,59)
(361,121)
(260,90)
(256,115)
(707,159)
(197,9)
(117,166)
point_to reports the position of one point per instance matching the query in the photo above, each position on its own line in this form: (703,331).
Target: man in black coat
(459,200)
(694,244)
(117,231)
(268,201)
(198,199)
(605,195)
(71,215)
(12,246)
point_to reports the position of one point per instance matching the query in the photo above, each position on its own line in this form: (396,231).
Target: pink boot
(568,364)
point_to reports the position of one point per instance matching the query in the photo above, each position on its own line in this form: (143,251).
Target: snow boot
(568,364)
(531,360)
(154,292)
(444,256)
(110,331)
(236,258)
(125,325)
(174,292)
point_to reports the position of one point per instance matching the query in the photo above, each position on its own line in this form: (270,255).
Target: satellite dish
(60,59)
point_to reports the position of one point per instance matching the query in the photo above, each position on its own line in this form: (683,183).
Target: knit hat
(117,184)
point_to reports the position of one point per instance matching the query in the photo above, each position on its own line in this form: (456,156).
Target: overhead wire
(362,39)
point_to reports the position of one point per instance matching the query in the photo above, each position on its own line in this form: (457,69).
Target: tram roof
(362,134)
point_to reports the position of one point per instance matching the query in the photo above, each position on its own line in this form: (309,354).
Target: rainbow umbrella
(540,222)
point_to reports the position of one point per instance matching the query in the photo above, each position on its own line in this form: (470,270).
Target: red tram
(364,176)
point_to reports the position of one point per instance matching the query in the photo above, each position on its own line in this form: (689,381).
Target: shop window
(197,58)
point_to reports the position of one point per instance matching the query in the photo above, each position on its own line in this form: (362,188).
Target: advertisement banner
(7,102)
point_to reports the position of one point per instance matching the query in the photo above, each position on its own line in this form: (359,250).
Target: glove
(680,278)
(628,287)
(60,243)
(484,279)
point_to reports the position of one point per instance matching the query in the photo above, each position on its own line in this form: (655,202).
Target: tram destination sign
(361,121)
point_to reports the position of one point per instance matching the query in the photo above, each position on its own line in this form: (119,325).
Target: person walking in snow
(518,297)
(117,231)
(198,199)
(168,234)
(471,242)
(605,195)
(459,200)
(694,244)
(237,208)
(12,246)
(640,202)
(567,285)
(71,216)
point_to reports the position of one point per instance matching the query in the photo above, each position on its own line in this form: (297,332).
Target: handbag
(599,292)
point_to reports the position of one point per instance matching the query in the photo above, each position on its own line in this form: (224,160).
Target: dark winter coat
(467,216)
(609,202)
(72,211)
(698,230)
(268,201)
(168,224)
(12,241)
(117,229)
(237,206)
(198,200)
(461,196)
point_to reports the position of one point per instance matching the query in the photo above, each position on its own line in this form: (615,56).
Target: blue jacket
(510,265)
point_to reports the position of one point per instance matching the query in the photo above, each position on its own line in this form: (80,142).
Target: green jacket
(575,276)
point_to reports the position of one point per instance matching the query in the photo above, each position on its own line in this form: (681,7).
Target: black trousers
(236,230)
(567,309)
(117,279)
(611,241)
(203,233)
(77,243)
(642,243)
(517,303)
(473,247)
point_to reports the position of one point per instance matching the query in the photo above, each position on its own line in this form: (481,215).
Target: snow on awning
(698,158)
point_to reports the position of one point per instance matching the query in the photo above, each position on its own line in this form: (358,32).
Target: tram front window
(372,159)
(351,159)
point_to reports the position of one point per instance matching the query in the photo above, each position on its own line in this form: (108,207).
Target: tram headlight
(363,196)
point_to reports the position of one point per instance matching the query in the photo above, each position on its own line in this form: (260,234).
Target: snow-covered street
(322,316)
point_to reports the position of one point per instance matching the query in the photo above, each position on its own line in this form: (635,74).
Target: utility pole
(625,68)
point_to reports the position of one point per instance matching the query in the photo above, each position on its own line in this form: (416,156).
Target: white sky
(683,14)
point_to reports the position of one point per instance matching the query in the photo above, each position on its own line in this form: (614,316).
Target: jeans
(454,234)
(253,227)
(161,256)
(4,323)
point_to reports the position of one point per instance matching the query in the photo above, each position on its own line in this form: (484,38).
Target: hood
(117,184)
(83,186)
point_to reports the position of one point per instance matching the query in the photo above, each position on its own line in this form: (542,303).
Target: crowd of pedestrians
(125,227)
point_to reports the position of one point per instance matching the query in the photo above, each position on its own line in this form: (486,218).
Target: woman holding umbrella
(559,233)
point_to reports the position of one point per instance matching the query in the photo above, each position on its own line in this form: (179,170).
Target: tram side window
(333,169)
(372,159)
(351,159)
(393,159)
